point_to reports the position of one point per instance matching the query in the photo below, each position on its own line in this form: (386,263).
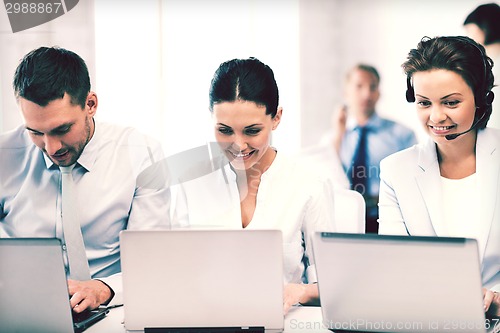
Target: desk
(299,319)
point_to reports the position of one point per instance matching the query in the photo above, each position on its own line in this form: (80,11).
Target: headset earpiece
(410,93)
(490,96)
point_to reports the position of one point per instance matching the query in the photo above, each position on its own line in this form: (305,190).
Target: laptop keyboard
(81,321)
(79,317)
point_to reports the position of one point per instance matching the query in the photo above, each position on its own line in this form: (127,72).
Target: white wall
(153,59)
(199,35)
(128,61)
(156,61)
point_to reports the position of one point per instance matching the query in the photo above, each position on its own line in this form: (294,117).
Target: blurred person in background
(483,26)
(362,138)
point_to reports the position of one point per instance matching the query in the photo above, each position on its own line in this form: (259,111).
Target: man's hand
(87,294)
(339,119)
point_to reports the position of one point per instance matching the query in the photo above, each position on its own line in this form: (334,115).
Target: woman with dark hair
(486,18)
(449,185)
(483,25)
(258,188)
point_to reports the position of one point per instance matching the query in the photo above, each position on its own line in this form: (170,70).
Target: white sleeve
(390,220)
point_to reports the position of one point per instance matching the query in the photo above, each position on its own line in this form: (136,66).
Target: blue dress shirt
(384,137)
(109,195)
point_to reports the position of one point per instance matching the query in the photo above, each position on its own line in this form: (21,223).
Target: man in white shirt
(52,87)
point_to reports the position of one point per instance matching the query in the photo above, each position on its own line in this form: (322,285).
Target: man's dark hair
(46,74)
(366,68)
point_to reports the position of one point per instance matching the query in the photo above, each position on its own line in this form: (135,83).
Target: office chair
(349,210)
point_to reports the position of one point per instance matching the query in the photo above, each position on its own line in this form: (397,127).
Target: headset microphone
(450,137)
(488,97)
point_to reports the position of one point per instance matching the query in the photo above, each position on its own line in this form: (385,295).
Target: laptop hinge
(244,329)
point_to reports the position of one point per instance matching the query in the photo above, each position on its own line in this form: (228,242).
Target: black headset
(489,96)
(410,93)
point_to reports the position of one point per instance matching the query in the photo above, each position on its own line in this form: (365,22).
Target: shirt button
(64,247)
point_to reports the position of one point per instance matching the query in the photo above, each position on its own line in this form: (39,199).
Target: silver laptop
(228,280)
(379,283)
(33,289)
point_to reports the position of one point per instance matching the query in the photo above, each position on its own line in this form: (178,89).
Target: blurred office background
(151,61)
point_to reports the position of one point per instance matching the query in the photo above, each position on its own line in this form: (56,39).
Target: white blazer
(411,200)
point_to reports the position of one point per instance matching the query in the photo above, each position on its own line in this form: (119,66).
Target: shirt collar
(89,154)
(374,122)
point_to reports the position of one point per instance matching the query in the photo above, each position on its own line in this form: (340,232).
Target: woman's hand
(491,302)
(295,293)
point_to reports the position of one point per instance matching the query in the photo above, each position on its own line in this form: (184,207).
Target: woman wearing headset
(449,185)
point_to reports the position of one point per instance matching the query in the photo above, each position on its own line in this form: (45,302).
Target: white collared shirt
(290,198)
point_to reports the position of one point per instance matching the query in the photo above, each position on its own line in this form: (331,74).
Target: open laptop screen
(202,278)
(33,288)
(384,283)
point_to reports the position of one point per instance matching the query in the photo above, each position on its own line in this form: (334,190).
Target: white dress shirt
(290,198)
(109,197)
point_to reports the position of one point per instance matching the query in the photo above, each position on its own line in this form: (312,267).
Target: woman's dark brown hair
(463,56)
